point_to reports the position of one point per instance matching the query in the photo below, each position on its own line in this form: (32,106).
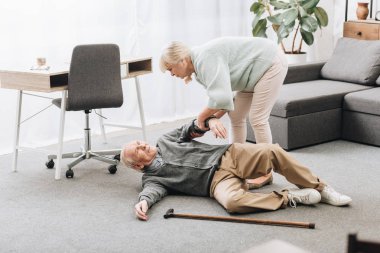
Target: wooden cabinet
(364,30)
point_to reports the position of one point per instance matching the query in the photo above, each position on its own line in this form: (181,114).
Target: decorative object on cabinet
(362,11)
(370,10)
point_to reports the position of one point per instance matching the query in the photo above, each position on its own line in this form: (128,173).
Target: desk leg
(17,131)
(60,136)
(141,109)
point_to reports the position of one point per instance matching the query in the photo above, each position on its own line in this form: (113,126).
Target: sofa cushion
(355,61)
(378,81)
(366,101)
(312,96)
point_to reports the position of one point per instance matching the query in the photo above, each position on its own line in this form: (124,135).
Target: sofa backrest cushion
(355,61)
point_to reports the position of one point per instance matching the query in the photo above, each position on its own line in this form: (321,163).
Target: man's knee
(232,204)
(264,149)
(275,148)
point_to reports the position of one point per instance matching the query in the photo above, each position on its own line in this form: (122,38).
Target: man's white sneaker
(332,197)
(305,196)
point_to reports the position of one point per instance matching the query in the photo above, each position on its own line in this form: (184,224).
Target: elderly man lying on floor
(180,164)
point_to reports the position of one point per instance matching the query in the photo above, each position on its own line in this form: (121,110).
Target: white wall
(51,28)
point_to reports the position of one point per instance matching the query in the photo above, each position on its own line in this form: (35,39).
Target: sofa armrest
(304,72)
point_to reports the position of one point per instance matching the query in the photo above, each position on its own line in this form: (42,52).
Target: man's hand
(217,128)
(140,210)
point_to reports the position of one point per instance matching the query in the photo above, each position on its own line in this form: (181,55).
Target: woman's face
(180,69)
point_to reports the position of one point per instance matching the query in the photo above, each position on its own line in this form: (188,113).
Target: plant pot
(296,58)
(362,11)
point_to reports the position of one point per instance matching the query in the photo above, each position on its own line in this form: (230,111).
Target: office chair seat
(94,83)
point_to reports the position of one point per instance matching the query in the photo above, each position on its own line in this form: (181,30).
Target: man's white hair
(173,53)
(123,160)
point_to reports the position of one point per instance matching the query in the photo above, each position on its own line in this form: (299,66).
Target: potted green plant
(301,16)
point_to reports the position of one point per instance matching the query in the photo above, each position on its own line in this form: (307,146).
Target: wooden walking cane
(170,214)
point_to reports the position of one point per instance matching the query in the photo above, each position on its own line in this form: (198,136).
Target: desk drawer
(363,31)
(43,81)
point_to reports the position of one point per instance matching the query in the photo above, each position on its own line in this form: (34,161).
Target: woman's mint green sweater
(230,64)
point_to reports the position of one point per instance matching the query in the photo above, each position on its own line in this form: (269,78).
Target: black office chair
(94,82)
(360,246)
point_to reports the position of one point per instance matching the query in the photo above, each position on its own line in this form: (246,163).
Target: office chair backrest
(360,246)
(94,78)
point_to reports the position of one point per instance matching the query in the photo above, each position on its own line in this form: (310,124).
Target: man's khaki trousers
(242,161)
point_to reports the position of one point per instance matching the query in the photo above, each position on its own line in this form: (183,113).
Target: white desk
(55,80)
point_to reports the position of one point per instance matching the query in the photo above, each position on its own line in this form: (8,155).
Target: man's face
(139,153)
(179,69)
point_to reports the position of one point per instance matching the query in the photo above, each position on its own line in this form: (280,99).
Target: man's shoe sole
(334,204)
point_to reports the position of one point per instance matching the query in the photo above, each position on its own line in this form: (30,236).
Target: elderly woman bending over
(254,68)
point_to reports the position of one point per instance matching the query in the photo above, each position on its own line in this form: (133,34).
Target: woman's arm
(220,113)
(215,125)
(205,114)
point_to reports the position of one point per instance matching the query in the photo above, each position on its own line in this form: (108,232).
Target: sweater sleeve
(183,133)
(152,193)
(216,75)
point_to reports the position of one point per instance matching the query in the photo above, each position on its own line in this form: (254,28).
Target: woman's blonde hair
(173,53)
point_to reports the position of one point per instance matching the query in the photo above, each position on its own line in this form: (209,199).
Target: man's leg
(252,161)
(230,193)
(299,175)
(243,161)
(239,162)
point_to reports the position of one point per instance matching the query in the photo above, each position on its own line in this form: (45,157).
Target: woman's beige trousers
(258,104)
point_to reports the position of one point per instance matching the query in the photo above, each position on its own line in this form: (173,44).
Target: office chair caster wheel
(69,173)
(112,169)
(117,157)
(50,164)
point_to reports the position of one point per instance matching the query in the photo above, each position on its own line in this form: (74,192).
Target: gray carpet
(94,211)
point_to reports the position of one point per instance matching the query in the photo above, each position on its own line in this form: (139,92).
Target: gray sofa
(339,99)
